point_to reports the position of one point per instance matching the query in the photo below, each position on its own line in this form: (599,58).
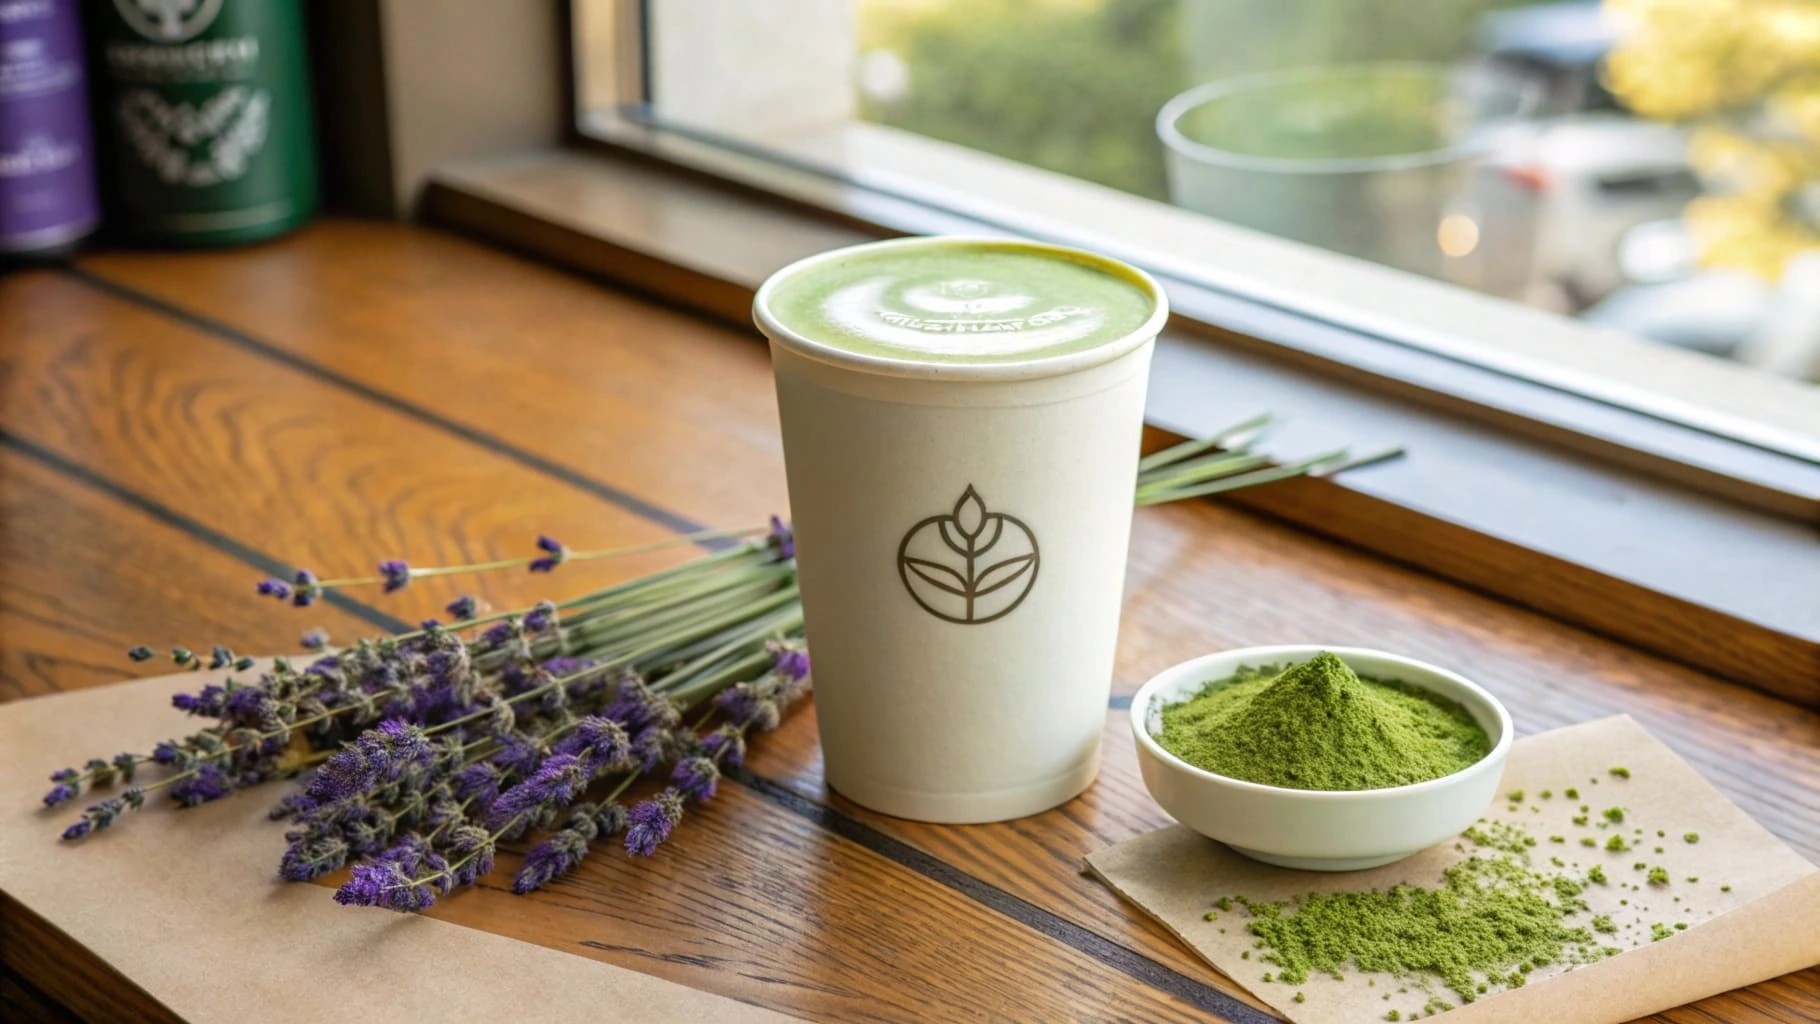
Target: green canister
(203,108)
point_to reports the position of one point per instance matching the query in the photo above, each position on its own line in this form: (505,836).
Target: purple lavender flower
(385,884)
(209,783)
(380,756)
(556,555)
(726,745)
(479,782)
(500,633)
(220,657)
(62,792)
(782,538)
(141,652)
(695,777)
(65,775)
(99,816)
(541,617)
(309,858)
(274,588)
(555,783)
(307,588)
(515,756)
(126,765)
(169,754)
(651,822)
(744,703)
(248,705)
(397,574)
(292,805)
(472,850)
(209,702)
(315,639)
(557,855)
(601,744)
(652,747)
(791,662)
(463,608)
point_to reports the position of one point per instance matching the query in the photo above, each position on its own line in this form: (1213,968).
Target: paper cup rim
(1022,369)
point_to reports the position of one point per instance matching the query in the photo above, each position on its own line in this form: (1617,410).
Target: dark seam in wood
(178,521)
(632,503)
(1128,962)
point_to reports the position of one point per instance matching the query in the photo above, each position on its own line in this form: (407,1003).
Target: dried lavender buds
(421,753)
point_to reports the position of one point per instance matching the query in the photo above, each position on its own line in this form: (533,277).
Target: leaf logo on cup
(970,566)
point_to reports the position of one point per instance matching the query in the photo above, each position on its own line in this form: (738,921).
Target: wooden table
(174,426)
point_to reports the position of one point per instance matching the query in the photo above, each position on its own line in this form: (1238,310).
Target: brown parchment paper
(187,905)
(1767,925)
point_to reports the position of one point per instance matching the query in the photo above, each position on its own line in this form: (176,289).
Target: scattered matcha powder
(1547,794)
(1615,815)
(1393,1015)
(1557,839)
(1515,796)
(1680,926)
(1658,849)
(1492,915)
(1597,874)
(1659,931)
(1319,726)
(1588,841)
(1691,837)
(1603,923)
(1579,819)
(1211,915)
(1658,876)
(1300,998)
(1616,844)
(1725,888)
(1571,793)
(1693,878)
(1621,772)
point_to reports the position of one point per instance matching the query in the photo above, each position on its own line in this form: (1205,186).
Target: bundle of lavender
(419,753)
(426,750)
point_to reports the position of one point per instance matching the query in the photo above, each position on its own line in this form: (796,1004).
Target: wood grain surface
(172,427)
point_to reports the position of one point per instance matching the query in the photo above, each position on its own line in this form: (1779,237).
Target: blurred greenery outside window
(1695,139)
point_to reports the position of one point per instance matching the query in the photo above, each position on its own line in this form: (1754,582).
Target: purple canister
(47,168)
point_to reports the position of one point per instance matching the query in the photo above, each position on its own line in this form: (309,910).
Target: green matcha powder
(1318,725)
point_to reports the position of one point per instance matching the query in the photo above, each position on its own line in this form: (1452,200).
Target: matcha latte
(960,301)
(961,420)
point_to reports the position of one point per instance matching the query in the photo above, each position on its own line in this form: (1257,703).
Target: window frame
(1767,466)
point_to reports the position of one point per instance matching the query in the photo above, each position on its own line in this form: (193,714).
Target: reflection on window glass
(1648,165)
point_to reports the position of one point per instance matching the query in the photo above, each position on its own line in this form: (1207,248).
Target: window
(1539,190)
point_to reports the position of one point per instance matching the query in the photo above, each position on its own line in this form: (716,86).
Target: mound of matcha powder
(1318,725)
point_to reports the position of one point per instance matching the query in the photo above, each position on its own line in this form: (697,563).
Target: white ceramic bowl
(1317,830)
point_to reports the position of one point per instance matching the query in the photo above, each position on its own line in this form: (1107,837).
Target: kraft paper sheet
(186,903)
(1766,926)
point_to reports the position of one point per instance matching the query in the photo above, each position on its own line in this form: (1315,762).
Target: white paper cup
(934,705)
